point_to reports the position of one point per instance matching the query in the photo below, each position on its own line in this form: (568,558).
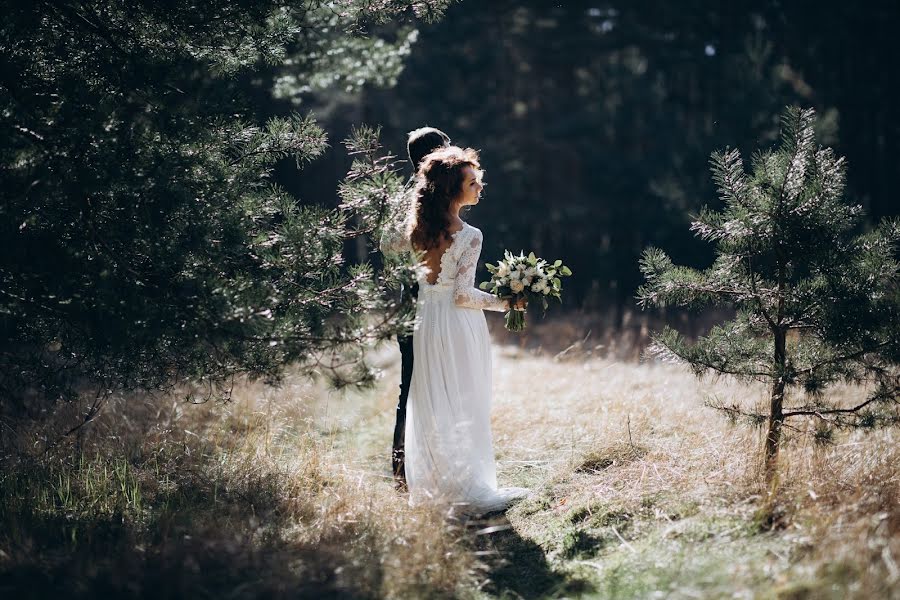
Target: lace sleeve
(464,292)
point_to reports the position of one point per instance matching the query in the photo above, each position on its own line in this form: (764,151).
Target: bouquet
(528,277)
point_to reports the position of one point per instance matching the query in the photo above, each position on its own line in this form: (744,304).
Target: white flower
(516,286)
(530,272)
(502,269)
(538,287)
(514,275)
(528,279)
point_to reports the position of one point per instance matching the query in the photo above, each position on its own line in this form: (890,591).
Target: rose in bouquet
(525,277)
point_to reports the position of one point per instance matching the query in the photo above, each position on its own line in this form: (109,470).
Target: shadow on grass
(208,537)
(515,565)
(58,557)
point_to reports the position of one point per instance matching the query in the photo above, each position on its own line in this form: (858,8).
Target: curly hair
(439,182)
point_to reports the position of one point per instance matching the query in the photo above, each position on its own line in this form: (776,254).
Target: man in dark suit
(420,143)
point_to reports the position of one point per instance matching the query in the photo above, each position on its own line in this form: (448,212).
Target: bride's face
(471,187)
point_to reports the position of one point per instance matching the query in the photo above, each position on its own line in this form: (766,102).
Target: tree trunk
(776,404)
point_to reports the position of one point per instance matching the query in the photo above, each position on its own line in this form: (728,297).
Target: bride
(449,451)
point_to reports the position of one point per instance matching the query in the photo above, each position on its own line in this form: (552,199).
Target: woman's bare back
(432,258)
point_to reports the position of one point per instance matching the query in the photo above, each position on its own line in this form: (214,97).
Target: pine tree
(143,242)
(816,301)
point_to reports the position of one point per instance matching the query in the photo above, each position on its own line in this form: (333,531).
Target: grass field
(640,492)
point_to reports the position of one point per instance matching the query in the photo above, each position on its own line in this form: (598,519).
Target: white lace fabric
(465,294)
(459,263)
(449,448)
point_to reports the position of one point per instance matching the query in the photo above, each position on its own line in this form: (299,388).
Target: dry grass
(655,493)
(640,491)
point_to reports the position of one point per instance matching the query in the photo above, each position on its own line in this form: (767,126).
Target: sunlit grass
(639,491)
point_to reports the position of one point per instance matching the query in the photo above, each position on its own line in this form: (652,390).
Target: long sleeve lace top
(465,293)
(458,266)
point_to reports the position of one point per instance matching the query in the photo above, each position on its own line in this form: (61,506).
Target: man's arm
(394,242)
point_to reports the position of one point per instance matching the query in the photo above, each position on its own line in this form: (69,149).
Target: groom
(420,143)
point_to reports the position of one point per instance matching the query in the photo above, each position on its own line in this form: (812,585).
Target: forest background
(595,122)
(176,228)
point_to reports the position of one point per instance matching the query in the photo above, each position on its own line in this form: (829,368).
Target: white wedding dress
(449,450)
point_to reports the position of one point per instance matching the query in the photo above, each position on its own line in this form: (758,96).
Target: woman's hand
(519,304)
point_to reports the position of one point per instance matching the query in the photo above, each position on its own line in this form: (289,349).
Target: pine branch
(801,135)
(886,392)
(326,297)
(808,313)
(664,351)
(735,412)
(847,357)
(702,289)
(756,296)
(728,173)
(817,412)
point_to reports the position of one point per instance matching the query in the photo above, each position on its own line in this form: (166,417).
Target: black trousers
(406,369)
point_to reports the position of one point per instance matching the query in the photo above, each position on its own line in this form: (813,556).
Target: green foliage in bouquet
(816,301)
(529,277)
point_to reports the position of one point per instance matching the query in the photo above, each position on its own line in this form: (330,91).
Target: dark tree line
(596,120)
